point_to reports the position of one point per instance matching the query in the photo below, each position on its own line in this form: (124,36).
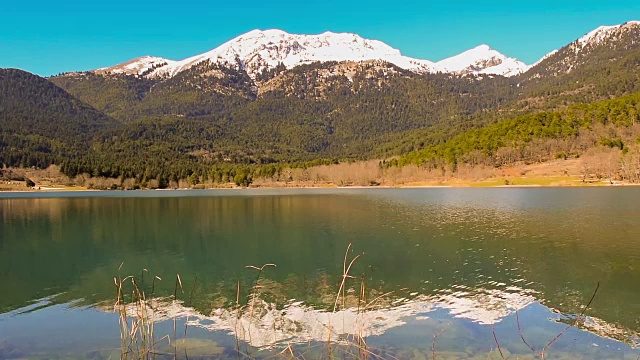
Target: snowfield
(258,50)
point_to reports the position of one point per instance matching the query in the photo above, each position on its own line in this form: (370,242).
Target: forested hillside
(41,124)
(601,65)
(571,132)
(213,121)
(319,110)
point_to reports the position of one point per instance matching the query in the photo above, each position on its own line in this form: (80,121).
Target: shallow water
(456,263)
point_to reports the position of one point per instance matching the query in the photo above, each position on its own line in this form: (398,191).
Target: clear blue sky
(48,37)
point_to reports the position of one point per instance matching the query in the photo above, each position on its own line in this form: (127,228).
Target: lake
(455,273)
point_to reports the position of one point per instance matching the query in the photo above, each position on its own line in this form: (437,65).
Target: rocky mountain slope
(257,51)
(482,60)
(608,43)
(599,65)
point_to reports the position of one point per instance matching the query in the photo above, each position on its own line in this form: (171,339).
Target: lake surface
(470,268)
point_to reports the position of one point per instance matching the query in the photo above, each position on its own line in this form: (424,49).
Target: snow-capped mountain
(604,34)
(137,66)
(600,46)
(482,60)
(258,50)
(548,55)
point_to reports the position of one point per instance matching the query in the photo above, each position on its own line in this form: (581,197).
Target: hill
(225,115)
(41,123)
(603,64)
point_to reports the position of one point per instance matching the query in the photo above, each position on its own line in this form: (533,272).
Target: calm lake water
(460,265)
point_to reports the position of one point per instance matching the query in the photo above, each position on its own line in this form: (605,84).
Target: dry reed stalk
(186,323)
(137,326)
(370,304)
(136,337)
(522,333)
(495,338)
(435,338)
(359,340)
(345,275)
(237,319)
(289,353)
(136,318)
(362,299)
(254,292)
(175,317)
(575,321)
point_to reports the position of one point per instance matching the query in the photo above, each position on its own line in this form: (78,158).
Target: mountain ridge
(214,116)
(482,60)
(263,50)
(260,50)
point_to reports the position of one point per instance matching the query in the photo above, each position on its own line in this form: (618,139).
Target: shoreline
(457,185)
(367,175)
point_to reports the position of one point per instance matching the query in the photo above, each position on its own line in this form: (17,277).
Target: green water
(454,262)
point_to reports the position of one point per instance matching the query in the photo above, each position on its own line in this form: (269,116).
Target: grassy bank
(560,172)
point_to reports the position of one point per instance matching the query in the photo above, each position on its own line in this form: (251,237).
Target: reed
(136,318)
(136,314)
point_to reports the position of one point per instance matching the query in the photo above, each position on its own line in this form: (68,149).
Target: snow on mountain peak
(136,66)
(483,47)
(545,57)
(264,49)
(482,60)
(258,50)
(601,33)
(263,33)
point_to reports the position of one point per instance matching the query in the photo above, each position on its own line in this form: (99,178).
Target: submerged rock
(197,347)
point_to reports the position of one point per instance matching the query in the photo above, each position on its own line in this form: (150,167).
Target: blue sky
(48,37)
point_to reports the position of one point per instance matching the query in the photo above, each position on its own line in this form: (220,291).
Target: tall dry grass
(136,314)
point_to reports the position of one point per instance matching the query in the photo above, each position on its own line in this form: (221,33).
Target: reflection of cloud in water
(266,325)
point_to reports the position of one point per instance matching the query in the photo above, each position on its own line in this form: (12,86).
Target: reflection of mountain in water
(423,240)
(266,325)
(263,324)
